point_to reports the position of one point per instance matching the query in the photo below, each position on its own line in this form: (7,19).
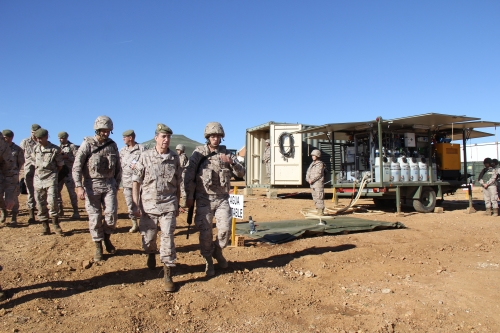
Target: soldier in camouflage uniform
(98,163)
(487,179)
(266,159)
(208,173)
(12,175)
(7,203)
(159,172)
(129,156)
(315,177)
(69,151)
(27,145)
(180,148)
(48,161)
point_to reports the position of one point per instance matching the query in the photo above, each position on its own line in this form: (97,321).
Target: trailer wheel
(427,201)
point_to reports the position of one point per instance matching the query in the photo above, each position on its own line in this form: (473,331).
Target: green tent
(176,139)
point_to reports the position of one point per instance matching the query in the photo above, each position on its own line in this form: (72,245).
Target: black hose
(291,149)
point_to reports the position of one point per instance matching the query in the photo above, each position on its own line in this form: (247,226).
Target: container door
(286,154)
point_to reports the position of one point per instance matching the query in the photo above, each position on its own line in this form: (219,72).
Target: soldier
(48,162)
(315,177)
(98,162)
(159,172)
(69,151)
(208,173)
(180,148)
(7,189)
(27,145)
(266,159)
(129,156)
(12,175)
(487,179)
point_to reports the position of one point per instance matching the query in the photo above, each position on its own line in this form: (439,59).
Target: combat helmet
(316,153)
(214,128)
(180,147)
(487,160)
(103,122)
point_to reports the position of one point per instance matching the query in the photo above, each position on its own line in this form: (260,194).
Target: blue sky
(243,63)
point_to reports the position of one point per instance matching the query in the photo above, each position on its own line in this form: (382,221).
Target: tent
(176,139)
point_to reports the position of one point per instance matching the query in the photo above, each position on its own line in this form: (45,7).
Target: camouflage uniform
(212,184)
(490,194)
(6,166)
(184,161)
(267,160)
(315,176)
(46,161)
(160,176)
(101,174)
(27,145)
(128,157)
(70,150)
(12,175)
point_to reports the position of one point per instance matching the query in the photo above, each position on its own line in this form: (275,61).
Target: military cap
(63,134)
(8,132)
(35,127)
(41,132)
(162,128)
(128,133)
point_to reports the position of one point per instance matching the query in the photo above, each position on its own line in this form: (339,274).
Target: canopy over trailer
(395,160)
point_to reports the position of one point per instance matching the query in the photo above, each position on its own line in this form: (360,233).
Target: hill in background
(174,141)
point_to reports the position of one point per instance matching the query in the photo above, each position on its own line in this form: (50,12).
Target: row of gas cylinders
(404,169)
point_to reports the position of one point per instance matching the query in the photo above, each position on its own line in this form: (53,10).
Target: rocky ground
(440,274)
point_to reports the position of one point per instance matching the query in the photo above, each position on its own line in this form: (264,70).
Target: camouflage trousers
(206,209)
(70,186)
(99,198)
(9,192)
(268,169)
(318,194)
(46,201)
(149,231)
(29,175)
(127,193)
(490,196)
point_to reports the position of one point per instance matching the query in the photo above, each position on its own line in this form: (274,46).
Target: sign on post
(236,204)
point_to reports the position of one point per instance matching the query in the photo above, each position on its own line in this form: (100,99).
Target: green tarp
(285,231)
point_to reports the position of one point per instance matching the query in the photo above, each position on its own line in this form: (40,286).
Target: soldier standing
(315,177)
(48,161)
(27,145)
(98,162)
(180,148)
(488,180)
(12,175)
(159,172)
(208,174)
(266,159)
(129,156)
(69,151)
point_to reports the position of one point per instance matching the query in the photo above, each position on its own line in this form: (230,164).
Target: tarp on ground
(174,141)
(285,231)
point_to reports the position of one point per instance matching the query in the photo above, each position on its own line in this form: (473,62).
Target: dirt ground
(440,274)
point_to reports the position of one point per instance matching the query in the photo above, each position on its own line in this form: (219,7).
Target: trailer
(403,160)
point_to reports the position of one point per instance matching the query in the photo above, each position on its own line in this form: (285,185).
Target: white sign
(236,204)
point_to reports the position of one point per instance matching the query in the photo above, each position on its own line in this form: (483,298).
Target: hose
(281,140)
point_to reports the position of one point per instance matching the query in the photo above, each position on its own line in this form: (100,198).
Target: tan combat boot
(57,228)
(134,228)
(220,258)
(169,284)
(495,211)
(98,251)
(209,266)
(107,243)
(487,212)
(45,228)
(321,211)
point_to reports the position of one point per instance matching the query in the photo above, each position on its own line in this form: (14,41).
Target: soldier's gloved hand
(136,212)
(81,193)
(189,203)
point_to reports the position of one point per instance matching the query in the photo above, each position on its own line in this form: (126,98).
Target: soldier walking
(12,175)
(159,173)
(98,163)
(69,151)
(315,177)
(208,174)
(27,145)
(180,148)
(129,156)
(48,161)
